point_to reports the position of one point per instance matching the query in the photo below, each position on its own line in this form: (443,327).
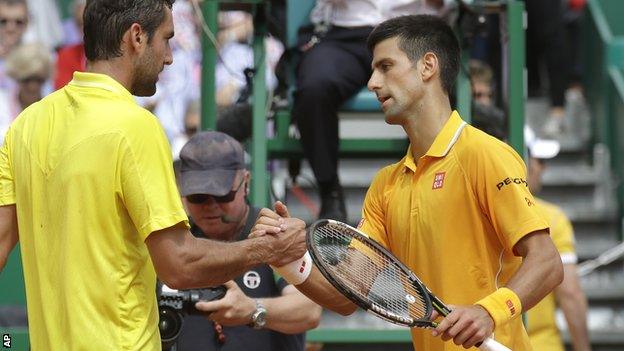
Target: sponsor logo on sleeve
(509,181)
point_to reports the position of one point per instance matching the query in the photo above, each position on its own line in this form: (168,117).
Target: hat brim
(544,149)
(217,182)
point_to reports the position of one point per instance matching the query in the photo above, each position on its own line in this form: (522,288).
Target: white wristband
(297,271)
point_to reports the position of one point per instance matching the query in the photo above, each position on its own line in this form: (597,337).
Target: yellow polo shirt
(454,217)
(542,325)
(91,175)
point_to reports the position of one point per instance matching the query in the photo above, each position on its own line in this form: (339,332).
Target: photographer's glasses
(198,199)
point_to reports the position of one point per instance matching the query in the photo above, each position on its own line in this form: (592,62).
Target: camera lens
(170,324)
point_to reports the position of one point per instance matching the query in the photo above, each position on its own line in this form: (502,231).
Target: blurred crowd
(39,51)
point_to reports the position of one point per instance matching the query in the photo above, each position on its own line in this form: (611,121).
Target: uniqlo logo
(511,307)
(438,180)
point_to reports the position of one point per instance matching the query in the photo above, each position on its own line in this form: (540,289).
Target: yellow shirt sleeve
(7,188)
(561,231)
(373,210)
(148,186)
(498,175)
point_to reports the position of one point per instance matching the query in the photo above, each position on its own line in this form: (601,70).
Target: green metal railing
(603,48)
(259,194)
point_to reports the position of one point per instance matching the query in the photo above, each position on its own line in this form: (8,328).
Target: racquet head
(368,274)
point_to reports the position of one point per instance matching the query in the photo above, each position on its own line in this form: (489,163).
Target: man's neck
(115,68)
(425,125)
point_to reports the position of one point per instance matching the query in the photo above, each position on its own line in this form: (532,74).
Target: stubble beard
(146,77)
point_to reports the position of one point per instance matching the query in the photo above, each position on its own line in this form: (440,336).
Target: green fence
(603,48)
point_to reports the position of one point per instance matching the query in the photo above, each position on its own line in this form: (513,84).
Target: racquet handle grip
(490,344)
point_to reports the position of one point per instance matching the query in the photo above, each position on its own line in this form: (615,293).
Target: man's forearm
(573,303)
(211,262)
(576,318)
(291,313)
(319,290)
(8,233)
(540,272)
(184,262)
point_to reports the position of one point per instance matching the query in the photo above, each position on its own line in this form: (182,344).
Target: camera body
(174,305)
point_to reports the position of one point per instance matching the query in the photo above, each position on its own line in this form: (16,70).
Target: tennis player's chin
(145,91)
(392,118)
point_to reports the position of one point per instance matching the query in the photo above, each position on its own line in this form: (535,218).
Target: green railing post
(210,11)
(517,76)
(259,195)
(464,87)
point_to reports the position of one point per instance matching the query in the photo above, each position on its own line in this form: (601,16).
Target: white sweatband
(297,271)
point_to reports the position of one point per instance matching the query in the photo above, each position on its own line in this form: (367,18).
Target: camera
(174,305)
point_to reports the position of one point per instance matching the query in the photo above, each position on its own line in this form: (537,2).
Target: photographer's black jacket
(198,332)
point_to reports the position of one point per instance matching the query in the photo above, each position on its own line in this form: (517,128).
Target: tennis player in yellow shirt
(456,209)
(542,326)
(87,177)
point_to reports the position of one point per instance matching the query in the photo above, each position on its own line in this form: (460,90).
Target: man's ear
(137,38)
(430,66)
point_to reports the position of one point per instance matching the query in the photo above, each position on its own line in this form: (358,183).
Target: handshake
(285,237)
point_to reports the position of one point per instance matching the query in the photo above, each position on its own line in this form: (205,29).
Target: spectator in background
(192,123)
(485,115)
(260,311)
(71,57)
(568,296)
(30,66)
(481,80)
(335,64)
(13,24)
(45,24)
(235,34)
(179,83)
(545,43)
(72,26)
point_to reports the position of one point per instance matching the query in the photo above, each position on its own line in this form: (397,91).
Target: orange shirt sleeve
(498,177)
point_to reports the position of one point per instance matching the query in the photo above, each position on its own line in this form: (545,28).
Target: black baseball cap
(209,162)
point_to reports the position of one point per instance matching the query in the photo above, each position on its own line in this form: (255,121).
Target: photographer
(259,311)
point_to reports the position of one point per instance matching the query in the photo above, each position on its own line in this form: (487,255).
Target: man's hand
(268,222)
(466,325)
(290,244)
(234,309)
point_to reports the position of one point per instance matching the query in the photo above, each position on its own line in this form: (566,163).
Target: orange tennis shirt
(453,217)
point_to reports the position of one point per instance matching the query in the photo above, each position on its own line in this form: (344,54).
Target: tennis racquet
(374,279)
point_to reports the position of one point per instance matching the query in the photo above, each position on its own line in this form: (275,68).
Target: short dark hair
(419,34)
(106,21)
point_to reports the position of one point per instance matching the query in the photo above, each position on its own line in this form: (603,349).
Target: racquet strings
(368,272)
